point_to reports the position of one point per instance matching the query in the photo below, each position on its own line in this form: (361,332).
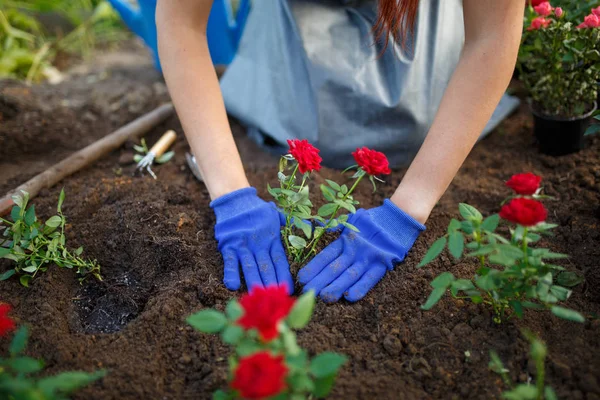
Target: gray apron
(311,69)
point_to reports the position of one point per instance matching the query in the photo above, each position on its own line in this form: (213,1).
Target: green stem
(318,236)
(524,246)
(539,364)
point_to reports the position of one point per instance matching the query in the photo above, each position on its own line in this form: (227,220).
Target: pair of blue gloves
(248,232)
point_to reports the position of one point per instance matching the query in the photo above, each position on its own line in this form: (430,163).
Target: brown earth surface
(154,240)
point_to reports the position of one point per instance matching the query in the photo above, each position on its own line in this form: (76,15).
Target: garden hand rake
(156,151)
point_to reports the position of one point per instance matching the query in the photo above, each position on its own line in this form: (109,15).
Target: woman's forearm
(480,79)
(194,88)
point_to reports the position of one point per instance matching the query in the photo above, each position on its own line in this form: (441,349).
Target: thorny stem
(318,236)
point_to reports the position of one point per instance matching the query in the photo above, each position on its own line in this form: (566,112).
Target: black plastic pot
(560,136)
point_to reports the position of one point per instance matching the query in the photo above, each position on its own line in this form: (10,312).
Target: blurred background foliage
(36,34)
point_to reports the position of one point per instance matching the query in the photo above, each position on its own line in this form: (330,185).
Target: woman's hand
(355,262)
(248,232)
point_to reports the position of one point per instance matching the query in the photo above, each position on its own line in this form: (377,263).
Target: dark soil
(154,240)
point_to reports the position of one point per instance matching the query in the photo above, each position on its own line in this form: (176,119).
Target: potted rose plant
(559,64)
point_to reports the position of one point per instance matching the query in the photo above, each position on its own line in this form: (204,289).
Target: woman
(309,69)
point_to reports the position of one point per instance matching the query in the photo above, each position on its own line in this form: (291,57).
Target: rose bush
(512,275)
(558,63)
(300,236)
(267,362)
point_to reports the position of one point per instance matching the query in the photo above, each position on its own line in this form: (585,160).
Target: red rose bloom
(538,23)
(525,184)
(264,308)
(535,3)
(544,9)
(371,161)
(525,212)
(6,324)
(259,376)
(306,155)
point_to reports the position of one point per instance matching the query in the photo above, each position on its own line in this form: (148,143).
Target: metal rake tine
(150,171)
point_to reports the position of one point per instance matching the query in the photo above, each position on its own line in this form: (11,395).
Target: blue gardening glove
(356,261)
(248,231)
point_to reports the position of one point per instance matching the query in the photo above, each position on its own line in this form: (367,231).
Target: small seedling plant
(512,274)
(267,361)
(526,391)
(300,237)
(142,150)
(19,378)
(34,245)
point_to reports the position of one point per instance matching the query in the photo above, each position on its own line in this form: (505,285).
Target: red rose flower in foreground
(259,376)
(544,9)
(522,211)
(306,155)
(6,324)
(538,2)
(525,184)
(538,23)
(264,308)
(372,162)
(596,11)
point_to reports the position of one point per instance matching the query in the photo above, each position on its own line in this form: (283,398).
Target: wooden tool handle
(163,143)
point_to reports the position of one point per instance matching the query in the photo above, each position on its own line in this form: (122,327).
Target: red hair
(395,17)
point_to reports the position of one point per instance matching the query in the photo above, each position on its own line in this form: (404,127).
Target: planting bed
(154,241)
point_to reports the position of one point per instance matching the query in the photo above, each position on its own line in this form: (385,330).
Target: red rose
(544,9)
(371,161)
(525,184)
(525,212)
(538,23)
(592,21)
(306,155)
(6,324)
(259,376)
(537,2)
(596,11)
(264,308)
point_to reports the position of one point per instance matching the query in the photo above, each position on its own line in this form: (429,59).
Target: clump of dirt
(154,241)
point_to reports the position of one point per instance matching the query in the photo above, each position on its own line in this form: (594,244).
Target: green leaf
(54,221)
(327,193)
(435,296)
(165,157)
(434,251)
(25,279)
(350,226)
(517,307)
(18,200)
(592,129)
(246,346)
(463,284)
(15,213)
(549,393)
(521,392)
(290,343)
(533,306)
(25,365)
(560,292)
(19,341)
(327,209)
(79,251)
(220,395)
(232,334)
(456,244)
(346,205)
(67,382)
(297,242)
(469,212)
(61,200)
(30,269)
(137,158)
(6,275)
(344,189)
(454,225)
(302,311)
(30,216)
(566,278)
(234,310)
(326,364)
(334,185)
(467,227)
(4,251)
(443,280)
(491,223)
(301,382)
(306,228)
(208,321)
(568,314)
(323,386)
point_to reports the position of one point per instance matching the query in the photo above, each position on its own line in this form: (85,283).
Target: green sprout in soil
(512,274)
(34,245)
(526,391)
(18,380)
(142,150)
